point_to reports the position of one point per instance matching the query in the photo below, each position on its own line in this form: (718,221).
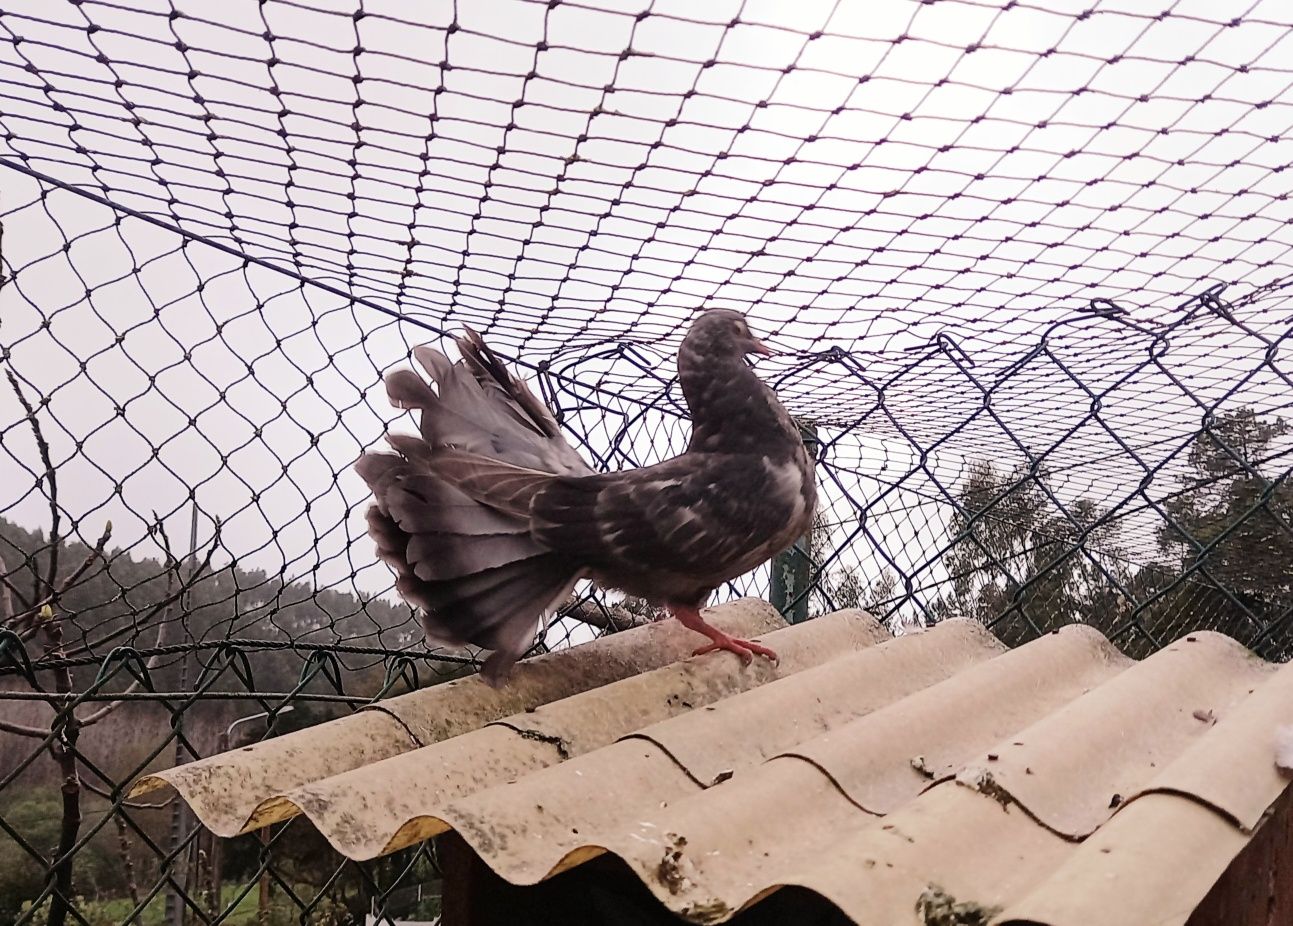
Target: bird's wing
(492,374)
(479,407)
(499,486)
(694,515)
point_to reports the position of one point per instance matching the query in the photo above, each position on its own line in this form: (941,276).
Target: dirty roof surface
(1058,783)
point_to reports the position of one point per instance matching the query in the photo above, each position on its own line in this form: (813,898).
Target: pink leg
(690,618)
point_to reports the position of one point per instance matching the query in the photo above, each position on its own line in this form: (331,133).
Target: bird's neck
(732,411)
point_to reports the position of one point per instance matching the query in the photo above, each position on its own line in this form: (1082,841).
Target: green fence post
(792,570)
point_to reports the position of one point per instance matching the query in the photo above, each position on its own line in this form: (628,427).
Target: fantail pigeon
(489,518)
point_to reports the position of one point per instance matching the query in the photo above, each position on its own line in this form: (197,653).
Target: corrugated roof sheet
(1057,783)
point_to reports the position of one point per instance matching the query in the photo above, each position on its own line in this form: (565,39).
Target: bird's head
(723,333)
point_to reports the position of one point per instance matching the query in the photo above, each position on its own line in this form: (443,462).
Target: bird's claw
(744,649)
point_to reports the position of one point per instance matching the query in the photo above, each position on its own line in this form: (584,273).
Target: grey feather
(489,517)
(473,568)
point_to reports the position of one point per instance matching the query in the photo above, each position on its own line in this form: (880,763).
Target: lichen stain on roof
(931,775)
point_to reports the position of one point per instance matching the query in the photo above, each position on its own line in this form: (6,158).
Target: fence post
(180,882)
(792,570)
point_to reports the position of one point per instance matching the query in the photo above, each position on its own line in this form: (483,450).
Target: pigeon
(489,518)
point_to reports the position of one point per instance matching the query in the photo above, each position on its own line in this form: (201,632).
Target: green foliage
(1232,523)
(244,911)
(35,817)
(1022,565)
(852,591)
(846,587)
(1017,561)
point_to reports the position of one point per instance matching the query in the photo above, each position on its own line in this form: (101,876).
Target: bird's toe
(744,649)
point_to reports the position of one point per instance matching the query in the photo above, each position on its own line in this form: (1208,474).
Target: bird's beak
(763,350)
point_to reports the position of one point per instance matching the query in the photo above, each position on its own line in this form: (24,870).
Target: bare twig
(95,552)
(127,864)
(25,622)
(158,528)
(38,616)
(18,729)
(30,620)
(174,594)
(11,591)
(6,593)
(66,726)
(63,748)
(46,619)
(152,660)
(131,805)
(173,579)
(51,479)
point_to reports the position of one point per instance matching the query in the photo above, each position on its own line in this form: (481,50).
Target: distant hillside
(117,606)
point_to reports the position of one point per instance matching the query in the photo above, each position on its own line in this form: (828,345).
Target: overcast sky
(571,176)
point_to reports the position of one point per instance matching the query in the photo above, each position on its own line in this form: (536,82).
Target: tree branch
(7,591)
(151,663)
(27,617)
(604,617)
(173,579)
(18,729)
(63,748)
(171,596)
(132,805)
(127,864)
(42,446)
(66,727)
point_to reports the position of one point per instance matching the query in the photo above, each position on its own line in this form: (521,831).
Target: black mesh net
(1026,267)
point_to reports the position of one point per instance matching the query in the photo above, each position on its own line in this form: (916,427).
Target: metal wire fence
(1028,271)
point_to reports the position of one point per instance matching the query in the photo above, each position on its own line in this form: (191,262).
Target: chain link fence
(1028,273)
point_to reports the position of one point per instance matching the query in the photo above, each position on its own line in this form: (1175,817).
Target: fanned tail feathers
(451,506)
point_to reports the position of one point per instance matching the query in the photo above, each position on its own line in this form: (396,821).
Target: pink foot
(745,649)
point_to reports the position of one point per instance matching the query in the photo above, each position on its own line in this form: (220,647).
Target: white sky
(846,172)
